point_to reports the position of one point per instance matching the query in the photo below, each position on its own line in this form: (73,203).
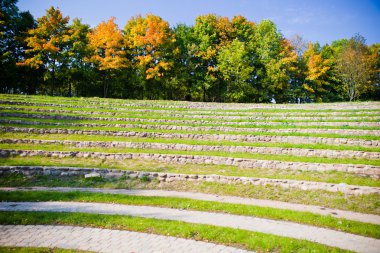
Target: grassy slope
(354,227)
(357,203)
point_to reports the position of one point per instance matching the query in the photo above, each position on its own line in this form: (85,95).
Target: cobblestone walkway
(101,240)
(321,235)
(369,218)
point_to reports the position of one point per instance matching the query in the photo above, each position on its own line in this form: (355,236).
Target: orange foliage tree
(151,41)
(106,41)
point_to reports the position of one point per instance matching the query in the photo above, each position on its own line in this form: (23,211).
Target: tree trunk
(53,79)
(70,94)
(105,86)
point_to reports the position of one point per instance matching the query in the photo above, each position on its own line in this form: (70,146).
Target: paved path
(321,235)
(101,240)
(369,218)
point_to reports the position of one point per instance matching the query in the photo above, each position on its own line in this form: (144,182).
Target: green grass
(160,111)
(52,123)
(150,115)
(344,225)
(258,242)
(152,104)
(36,250)
(358,203)
(112,150)
(79,137)
(156,166)
(283,125)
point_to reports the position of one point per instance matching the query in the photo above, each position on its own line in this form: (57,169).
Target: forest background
(217,59)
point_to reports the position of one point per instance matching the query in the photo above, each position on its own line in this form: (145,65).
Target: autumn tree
(316,73)
(151,44)
(356,66)
(48,44)
(374,50)
(280,71)
(106,42)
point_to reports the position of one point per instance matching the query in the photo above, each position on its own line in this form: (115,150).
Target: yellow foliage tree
(316,73)
(48,44)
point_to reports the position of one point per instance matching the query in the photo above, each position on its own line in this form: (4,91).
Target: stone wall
(171,177)
(186,147)
(199,121)
(215,137)
(365,170)
(347,132)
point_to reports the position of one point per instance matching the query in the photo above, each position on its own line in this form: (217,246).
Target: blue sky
(318,20)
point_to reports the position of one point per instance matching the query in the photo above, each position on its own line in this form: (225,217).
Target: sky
(320,21)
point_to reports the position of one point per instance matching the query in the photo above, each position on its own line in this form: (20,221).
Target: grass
(357,203)
(150,115)
(52,123)
(82,137)
(207,169)
(152,104)
(243,155)
(330,222)
(261,113)
(258,242)
(194,122)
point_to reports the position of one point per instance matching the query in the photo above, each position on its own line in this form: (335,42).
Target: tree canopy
(216,59)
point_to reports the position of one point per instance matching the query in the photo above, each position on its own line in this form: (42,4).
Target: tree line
(216,59)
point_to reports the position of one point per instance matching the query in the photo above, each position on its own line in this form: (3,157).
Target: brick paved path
(101,240)
(321,235)
(368,218)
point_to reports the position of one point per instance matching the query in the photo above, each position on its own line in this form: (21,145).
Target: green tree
(274,59)
(79,70)
(13,30)
(234,65)
(184,69)
(210,34)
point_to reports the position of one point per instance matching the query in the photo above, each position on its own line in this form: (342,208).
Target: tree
(210,34)
(273,60)
(106,42)
(13,30)
(280,70)
(78,68)
(356,67)
(48,44)
(151,43)
(299,44)
(184,69)
(234,65)
(316,73)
